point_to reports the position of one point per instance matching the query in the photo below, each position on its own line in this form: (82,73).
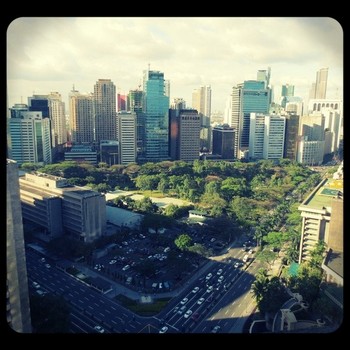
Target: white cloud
(221,52)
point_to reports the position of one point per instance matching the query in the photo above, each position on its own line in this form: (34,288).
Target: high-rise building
(291,136)
(319,88)
(122,105)
(58,119)
(39,103)
(248,97)
(223,141)
(201,101)
(321,83)
(127,137)
(266,139)
(264,75)
(17,296)
(184,134)
(105,109)
(109,152)
(30,138)
(178,103)
(312,126)
(81,117)
(156,108)
(287,90)
(83,211)
(135,104)
(310,152)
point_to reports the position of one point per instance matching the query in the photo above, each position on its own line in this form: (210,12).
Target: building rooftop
(322,196)
(334,260)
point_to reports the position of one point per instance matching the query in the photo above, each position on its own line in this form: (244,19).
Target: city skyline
(51,54)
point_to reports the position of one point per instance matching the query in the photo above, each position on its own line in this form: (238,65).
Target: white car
(163,329)
(188,313)
(219,272)
(99,329)
(210,289)
(195,289)
(209,276)
(184,301)
(216,329)
(220,279)
(200,301)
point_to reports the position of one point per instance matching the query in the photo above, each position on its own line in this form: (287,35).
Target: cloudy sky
(52,54)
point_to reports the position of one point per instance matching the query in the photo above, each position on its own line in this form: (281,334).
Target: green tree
(266,256)
(232,187)
(274,239)
(317,254)
(29,167)
(49,314)
(146,205)
(183,241)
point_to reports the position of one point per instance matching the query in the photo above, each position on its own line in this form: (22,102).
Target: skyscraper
(248,97)
(58,119)
(17,297)
(184,134)
(266,140)
(223,141)
(287,90)
(291,136)
(319,88)
(105,110)
(81,117)
(201,101)
(321,83)
(156,108)
(39,103)
(127,137)
(30,138)
(135,104)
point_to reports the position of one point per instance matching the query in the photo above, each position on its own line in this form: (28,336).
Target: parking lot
(151,262)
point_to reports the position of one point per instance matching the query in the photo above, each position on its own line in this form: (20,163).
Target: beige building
(17,298)
(127,137)
(83,212)
(320,209)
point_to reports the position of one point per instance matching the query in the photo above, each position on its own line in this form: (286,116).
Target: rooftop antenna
(149,66)
(73,87)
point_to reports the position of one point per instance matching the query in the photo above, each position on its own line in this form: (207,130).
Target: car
(43,260)
(236,265)
(163,329)
(195,289)
(212,240)
(99,329)
(221,278)
(36,285)
(47,266)
(40,292)
(219,272)
(188,314)
(251,251)
(209,276)
(184,301)
(200,301)
(182,310)
(176,308)
(126,267)
(215,329)
(210,289)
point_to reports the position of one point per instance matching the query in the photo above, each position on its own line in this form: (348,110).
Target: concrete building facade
(83,211)
(17,294)
(127,137)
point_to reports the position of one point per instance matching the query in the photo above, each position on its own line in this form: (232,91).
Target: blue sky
(52,54)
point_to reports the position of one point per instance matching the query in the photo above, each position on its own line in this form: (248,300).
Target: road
(218,297)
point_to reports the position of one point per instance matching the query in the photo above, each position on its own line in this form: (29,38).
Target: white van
(245,258)
(126,267)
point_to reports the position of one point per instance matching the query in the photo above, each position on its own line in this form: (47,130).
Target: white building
(310,152)
(58,119)
(30,138)
(127,137)
(266,136)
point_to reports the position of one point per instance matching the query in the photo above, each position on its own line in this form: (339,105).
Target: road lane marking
(90,307)
(108,311)
(226,312)
(233,313)
(114,308)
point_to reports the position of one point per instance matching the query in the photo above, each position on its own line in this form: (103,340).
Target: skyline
(52,53)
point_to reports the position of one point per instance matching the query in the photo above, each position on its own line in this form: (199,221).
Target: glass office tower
(156,107)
